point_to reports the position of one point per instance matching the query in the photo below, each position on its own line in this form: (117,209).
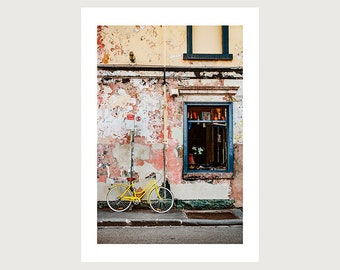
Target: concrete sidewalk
(175,217)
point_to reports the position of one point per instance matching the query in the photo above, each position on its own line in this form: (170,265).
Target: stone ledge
(208,176)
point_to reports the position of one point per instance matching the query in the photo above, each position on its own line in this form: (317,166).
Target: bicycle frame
(137,195)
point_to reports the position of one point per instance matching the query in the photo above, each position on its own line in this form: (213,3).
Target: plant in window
(198,150)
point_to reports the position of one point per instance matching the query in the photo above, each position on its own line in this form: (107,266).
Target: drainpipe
(165,108)
(132,150)
(165,131)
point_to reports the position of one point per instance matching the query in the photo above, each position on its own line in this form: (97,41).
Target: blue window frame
(208,137)
(207,56)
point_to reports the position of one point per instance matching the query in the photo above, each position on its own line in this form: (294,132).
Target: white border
(90,250)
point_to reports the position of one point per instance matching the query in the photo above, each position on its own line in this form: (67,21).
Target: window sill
(206,56)
(208,175)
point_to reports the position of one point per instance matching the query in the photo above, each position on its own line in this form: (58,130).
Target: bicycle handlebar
(153,174)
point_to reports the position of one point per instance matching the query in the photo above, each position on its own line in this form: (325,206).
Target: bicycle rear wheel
(161,199)
(115,198)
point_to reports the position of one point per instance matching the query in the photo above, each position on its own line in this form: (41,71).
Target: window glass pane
(207,138)
(207,39)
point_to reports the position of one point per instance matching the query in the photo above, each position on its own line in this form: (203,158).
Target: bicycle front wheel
(161,199)
(115,198)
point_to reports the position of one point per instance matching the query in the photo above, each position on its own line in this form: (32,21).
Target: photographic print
(155,82)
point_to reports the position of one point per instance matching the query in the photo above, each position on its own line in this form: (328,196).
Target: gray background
(40,138)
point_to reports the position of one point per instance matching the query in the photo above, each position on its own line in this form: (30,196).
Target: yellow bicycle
(120,196)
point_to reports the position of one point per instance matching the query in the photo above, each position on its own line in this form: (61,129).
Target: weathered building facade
(170,102)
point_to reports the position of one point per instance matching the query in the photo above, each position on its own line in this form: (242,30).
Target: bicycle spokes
(161,199)
(115,198)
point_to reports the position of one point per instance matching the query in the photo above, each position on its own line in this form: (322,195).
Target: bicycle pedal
(135,202)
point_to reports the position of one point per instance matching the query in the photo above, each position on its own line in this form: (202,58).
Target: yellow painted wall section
(159,45)
(207,39)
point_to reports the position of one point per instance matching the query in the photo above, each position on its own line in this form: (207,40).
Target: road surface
(170,235)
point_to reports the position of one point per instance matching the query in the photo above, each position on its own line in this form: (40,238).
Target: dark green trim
(207,56)
(230,139)
(189,40)
(143,205)
(205,204)
(225,41)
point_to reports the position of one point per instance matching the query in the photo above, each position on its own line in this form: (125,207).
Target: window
(207,43)
(208,137)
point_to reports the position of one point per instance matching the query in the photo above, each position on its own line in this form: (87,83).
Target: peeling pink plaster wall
(143,98)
